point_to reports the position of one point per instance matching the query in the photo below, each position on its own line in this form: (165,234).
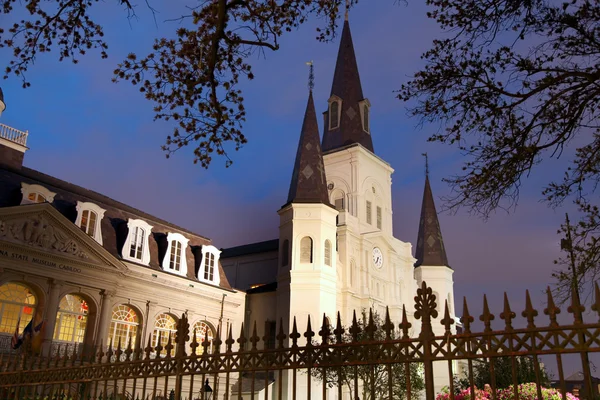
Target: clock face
(377,257)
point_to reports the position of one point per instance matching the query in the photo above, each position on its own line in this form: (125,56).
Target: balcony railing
(13,135)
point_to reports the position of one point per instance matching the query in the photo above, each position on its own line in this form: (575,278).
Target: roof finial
(426,164)
(347,8)
(311,75)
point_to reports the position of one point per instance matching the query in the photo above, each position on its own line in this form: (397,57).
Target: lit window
(71,319)
(203,333)
(89,217)
(164,326)
(328,253)
(36,194)
(369,217)
(306,252)
(136,246)
(209,267)
(378,217)
(123,326)
(17,305)
(175,259)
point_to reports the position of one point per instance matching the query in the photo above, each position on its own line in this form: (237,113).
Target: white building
(336,250)
(98,271)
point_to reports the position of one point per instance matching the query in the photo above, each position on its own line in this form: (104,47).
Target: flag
(38,337)
(14,341)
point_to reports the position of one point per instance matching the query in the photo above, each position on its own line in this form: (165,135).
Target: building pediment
(39,232)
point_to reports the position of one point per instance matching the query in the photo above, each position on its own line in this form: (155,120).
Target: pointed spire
(351,123)
(430,245)
(308,179)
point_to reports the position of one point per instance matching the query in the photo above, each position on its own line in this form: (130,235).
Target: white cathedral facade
(82,262)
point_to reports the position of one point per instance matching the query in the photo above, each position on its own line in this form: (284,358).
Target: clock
(377,257)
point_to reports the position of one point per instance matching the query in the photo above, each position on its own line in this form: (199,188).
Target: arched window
(209,266)
(136,247)
(203,330)
(175,260)
(164,325)
(17,304)
(328,253)
(123,326)
(285,253)
(36,198)
(306,250)
(334,114)
(175,256)
(71,319)
(35,194)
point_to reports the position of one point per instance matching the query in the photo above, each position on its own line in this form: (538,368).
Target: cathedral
(78,264)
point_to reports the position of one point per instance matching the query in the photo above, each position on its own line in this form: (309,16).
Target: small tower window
(366,118)
(334,114)
(328,253)
(285,253)
(306,251)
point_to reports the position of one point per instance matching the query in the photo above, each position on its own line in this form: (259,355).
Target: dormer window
(89,217)
(136,246)
(335,105)
(365,108)
(209,266)
(36,194)
(175,260)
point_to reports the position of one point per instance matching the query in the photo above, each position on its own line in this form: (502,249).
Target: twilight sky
(100,135)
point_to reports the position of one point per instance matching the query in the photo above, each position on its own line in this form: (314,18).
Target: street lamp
(207,390)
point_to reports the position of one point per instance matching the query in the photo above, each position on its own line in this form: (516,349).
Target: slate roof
(114,223)
(346,85)
(252,248)
(430,244)
(309,184)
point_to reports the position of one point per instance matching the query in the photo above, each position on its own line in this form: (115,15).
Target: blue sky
(100,135)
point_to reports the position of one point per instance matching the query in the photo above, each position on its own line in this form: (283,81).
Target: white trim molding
(28,189)
(96,233)
(181,268)
(138,235)
(213,255)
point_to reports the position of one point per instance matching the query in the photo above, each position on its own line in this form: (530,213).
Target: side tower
(306,284)
(433,268)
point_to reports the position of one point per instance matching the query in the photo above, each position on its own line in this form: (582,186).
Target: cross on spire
(426,164)
(347,8)
(311,75)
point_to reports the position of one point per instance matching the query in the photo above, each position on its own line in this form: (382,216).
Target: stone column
(104,318)
(50,313)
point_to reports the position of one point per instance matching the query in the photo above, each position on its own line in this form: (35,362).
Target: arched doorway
(203,330)
(71,320)
(163,325)
(123,326)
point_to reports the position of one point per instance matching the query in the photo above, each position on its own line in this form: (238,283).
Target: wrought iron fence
(366,361)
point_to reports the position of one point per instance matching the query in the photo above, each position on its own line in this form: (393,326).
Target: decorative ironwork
(125,370)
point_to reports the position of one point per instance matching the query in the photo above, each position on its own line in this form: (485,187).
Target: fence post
(181,337)
(425,309)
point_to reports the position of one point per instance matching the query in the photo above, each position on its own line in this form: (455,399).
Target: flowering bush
(527,391)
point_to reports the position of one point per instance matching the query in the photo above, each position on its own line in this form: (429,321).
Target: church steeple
(430,245)
(308,183)
(347,117)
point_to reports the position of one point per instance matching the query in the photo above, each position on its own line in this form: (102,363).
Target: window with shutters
(328,253)
(306,250)
(378,217)
(369,212)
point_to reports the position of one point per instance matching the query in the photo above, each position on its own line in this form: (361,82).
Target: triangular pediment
(39,229)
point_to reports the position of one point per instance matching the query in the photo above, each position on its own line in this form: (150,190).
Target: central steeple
(347,117)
